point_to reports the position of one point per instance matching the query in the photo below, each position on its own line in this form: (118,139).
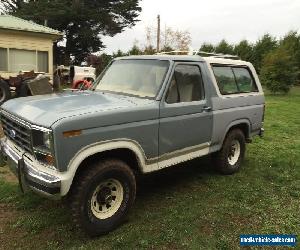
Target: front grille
(16,131)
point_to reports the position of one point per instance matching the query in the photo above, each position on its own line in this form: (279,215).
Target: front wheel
(229,159)
(102,196)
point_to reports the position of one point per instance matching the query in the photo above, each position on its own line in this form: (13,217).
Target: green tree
(207,47)
(82,21)
(119,53)
(135,50)
(224,47)
(261,48)
(244,50)
(291,43)
(149,50)
(104,59)
(167,48)
(278,72)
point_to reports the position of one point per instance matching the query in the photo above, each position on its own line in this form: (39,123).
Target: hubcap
(234,152)
(107,198)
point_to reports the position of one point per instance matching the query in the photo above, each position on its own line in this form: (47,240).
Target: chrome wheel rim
(107,199)
(234,152)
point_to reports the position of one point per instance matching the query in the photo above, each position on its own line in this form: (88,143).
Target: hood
(44,110)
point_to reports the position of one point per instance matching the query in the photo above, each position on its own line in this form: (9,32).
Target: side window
(244,80)
(233,80)
(186,85)
(225,79)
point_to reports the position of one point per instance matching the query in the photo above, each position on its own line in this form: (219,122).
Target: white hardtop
(218,60)
(210,59)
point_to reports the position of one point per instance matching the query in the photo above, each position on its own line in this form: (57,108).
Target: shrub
(278,71)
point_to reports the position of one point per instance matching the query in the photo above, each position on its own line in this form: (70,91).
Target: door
(185,113)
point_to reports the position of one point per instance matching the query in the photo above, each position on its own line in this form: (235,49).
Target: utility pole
(158,33)
(46,20)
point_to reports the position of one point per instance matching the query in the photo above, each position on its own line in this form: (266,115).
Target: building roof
(15,23)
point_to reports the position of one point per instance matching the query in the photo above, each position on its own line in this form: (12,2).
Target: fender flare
(96,148)
(235,123)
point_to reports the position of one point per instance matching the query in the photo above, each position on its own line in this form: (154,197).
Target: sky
(212,20)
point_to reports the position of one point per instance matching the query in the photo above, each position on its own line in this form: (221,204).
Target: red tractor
(79,77)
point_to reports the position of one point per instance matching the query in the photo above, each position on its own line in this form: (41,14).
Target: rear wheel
(102,196)
(4,92)
(229,159)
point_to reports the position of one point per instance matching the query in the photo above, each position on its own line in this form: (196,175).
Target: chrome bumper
(30,176)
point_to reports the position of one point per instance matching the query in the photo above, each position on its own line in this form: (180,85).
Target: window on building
(22,60)
(3,59)
(186,85)
(43,61)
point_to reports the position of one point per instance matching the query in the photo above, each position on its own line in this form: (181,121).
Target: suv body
(194,105)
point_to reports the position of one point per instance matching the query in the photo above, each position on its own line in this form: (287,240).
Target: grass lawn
(189,206)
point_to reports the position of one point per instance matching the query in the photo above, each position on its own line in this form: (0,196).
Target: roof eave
(54,36)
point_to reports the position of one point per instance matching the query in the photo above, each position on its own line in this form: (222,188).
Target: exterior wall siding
(27,41)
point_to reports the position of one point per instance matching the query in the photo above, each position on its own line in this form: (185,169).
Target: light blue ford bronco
(143,114)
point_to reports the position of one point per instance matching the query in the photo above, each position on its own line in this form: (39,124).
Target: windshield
(142,78)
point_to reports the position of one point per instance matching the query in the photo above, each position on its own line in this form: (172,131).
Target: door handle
(206,109)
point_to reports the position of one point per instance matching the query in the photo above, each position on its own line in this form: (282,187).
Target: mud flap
(21,176)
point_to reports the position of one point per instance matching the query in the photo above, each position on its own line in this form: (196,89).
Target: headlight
(42,142)
(47,140)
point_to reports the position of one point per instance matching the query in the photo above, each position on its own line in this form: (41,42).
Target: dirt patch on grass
(7,175)
(9,236)
(14,236)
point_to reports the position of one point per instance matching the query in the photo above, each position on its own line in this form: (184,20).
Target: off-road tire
(4,92)
(85,185)
(221,158)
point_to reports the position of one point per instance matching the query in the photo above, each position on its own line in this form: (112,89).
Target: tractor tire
(4,92)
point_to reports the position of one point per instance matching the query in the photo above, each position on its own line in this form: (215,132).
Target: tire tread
(80,183)
(220,157)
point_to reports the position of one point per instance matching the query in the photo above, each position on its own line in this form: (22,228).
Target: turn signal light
(72,133)
(49,159)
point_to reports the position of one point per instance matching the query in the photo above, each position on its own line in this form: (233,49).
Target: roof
(193,58)
(15,23)
(166,57)
(218,60)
